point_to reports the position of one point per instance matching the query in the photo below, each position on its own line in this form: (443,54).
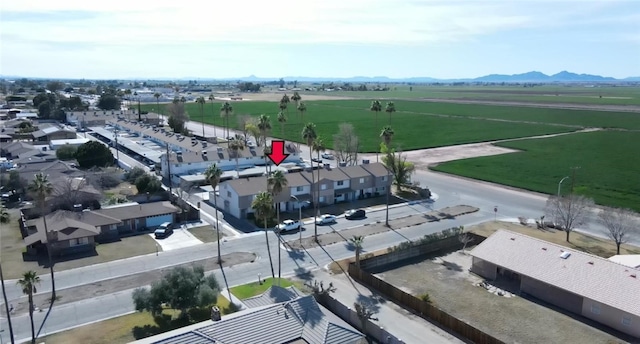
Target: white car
(325,219)
(289,225)
(327,156)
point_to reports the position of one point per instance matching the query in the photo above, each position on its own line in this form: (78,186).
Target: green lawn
(608,166)
(252,289)
(205,233)
(128,328)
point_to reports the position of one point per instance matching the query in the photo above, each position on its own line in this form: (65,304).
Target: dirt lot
(511,319)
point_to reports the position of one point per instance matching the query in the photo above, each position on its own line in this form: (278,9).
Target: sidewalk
(406,326)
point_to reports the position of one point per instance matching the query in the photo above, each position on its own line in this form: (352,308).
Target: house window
(229,194)
(361,180)
(384,179)
(321,199)
(626,321)
(323,187)
(340,183)
(78,242)
(595,309)
(299,188)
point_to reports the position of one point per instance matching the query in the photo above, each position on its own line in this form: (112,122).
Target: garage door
(154,221)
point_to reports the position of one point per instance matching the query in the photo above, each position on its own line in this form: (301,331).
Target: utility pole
(169,172)
(115,132)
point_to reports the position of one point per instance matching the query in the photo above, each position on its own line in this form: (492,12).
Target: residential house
(342,184)
(278,316)
(73,231)
(55,132)
(581,283)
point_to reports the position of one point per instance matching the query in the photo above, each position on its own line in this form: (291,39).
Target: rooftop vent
(590,263)
(565,255)
(365,161)
(633,276)
(544,248)
(514,239)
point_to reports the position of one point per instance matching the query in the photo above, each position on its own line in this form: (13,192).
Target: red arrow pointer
(277,152)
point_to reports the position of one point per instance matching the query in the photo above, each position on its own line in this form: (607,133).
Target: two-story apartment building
(342,184)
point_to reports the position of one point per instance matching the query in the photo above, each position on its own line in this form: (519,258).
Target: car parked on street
(325,219)
(164,230)
(355,214)
(327,156)
(289,225)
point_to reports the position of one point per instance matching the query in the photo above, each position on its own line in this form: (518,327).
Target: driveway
(180,238)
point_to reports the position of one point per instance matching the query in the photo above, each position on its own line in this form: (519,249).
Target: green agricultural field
(419,124)
(607,159)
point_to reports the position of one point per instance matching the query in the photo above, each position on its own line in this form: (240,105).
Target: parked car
(289,225)
(316,160)
(325,219)
(164,230)
(355,214)
(327,156)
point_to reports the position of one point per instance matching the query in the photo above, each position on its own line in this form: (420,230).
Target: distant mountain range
(532,77)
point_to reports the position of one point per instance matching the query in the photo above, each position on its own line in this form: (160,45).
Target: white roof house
(580,273)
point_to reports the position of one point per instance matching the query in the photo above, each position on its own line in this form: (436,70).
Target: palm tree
(157,96)
(264,124)
(6,306)
(387,134)
(377,107)
(236,144)
(317,146)
(309,135)
(201,102)
(283,106)
(285,100)
(357,243)
(390,108)
(282,118)
(28,284)
(176,100)
(277,182)
(225,110)
(41,188)
(302,107)
(263,207)
(296,98)
(212,176)
(213,115)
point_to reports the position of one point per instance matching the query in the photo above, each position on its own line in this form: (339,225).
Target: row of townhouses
(342,184)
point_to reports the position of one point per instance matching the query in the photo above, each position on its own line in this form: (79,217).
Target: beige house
(588,285)
(342,184)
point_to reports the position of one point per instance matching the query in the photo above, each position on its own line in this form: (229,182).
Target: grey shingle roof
(377,169)
(334,174)
(248,186)
(135,211)
(583,274)
(271,296)
(355,171)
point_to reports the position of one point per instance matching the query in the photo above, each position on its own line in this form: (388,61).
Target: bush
(66,152)
(425,297)
(133,174)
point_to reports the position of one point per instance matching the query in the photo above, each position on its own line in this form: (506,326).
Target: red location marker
(277,152)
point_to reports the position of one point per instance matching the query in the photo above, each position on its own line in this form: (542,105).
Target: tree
(181,289)
(201,102)
(387,135)
(44,109)
(263,207)
(94,153)
(282,119)
(177,116)
(309,135)
(364,313)
(55,86)
(356,241)
(5,217)
(264,125)
(184,193)
(569,212)
(465,239)
(41,188)
(277,182)
(302,107)
(620,225)
(212,175)
(398,165)
(345,144)
(285,100)
(28,284)
(109,101)
(296,98)
(283,107)
(236,144)
(66,152)
(390,108)
(157,96)
(133,174)
(148,184)
(243,122)
(213,115)
(14,182)
(226,110)
(68,192)
(251,129)
(376,107)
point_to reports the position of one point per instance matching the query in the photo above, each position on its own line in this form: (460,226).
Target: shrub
(66,152)
(425,297)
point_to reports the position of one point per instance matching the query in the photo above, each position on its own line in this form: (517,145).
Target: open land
(451,287)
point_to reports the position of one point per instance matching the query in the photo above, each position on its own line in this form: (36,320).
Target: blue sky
(328,38)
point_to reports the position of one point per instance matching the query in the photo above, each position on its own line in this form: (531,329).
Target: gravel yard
(509,318)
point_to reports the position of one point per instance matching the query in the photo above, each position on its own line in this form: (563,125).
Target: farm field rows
(607,161)
(420,124)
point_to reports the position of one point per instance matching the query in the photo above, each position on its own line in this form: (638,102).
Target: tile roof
(271,296)
(583,274)
(134,211)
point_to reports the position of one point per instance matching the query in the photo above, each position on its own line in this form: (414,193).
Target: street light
(560,184)
(299,216)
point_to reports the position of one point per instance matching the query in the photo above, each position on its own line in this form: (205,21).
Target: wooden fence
(412,303)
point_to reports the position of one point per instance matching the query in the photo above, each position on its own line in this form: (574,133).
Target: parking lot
(180,238)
